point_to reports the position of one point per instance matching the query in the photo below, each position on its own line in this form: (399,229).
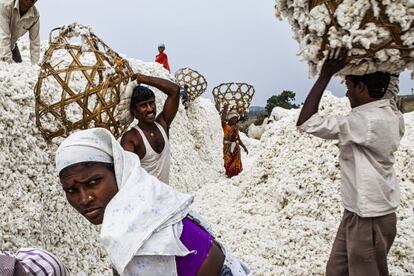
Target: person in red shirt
(162,57)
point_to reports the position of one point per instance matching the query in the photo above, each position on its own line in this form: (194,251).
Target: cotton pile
(351,29)
(34,211)
(279,215)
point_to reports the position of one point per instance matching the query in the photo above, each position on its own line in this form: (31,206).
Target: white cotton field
(279,215)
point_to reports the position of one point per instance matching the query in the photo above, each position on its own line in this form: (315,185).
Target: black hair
(109,166)
(140,94)
(377,83)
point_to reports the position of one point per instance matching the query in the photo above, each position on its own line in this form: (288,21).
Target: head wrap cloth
(231,115)
(140,217)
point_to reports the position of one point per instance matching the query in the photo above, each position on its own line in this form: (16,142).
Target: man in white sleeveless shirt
(149,138)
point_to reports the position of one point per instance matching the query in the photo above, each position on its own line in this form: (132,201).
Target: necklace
(150,132)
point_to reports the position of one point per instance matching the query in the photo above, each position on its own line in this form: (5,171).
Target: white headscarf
(140,218)
(231,115)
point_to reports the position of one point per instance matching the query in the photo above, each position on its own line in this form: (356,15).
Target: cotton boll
(318,20)
(394,56)
(401,13)
(350,13)
(370,35)
(408,38)
(309,47)
(358,52)
(375,8)
(381,55)
(339,38)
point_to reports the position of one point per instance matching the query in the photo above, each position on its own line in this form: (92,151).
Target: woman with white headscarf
(147,227)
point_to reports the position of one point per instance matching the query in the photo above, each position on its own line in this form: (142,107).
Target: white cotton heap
(314,27)
(279,215)
(34,209)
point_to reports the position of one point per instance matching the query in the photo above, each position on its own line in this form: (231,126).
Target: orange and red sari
(231,150)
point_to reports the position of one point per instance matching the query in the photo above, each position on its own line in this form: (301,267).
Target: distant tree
(284,99)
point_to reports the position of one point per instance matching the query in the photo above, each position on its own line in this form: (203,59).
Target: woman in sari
(147,226)
(231,143)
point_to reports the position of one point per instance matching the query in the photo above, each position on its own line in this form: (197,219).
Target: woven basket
(238,96)
(385,46)
(381,21)
(79,84)
(197,83)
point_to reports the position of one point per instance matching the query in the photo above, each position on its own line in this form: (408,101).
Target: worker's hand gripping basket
(378,33)
(79,83)
(193,81)
(238,96)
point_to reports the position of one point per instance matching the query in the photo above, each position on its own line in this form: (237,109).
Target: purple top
(194,238)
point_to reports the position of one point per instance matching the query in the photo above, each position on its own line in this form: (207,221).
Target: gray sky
(225,40)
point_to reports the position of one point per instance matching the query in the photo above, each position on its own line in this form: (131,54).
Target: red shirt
(163,59)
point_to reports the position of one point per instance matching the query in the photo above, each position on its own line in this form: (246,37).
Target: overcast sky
(225,40)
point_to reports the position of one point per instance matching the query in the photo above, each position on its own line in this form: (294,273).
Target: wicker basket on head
(197,83)
(79,83)
(238,96)
(379,39)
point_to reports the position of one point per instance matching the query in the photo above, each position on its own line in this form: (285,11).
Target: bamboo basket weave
(237,95)
(382,20)
(197,83)
(79,84)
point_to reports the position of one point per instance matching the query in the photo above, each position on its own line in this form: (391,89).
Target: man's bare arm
(173,95)
(127,142)
(336,60)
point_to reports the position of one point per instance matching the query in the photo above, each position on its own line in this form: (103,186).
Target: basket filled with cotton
(79,83)
(194,83)
(378,34)
(238,96)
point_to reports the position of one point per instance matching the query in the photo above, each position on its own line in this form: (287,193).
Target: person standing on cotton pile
(185,101)
(147,226)
(231,142)
(149,139)
(162,57)
(368,138)
(17,17)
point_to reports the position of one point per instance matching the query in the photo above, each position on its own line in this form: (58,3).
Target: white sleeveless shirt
(156,164)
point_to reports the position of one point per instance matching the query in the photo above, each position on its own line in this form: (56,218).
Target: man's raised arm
(173,95)
(336,60)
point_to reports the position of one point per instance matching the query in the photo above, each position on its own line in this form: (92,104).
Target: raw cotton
(256,132)
(34,210)
(310,26)
(279,215)
(282,212)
